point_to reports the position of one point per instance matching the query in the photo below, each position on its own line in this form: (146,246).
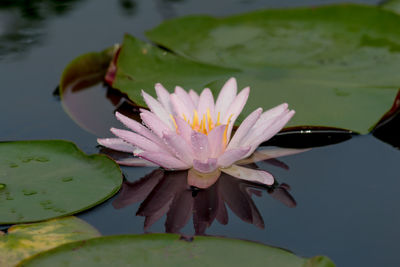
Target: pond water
(346,194)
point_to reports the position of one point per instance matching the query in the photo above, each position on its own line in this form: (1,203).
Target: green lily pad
(335,65)
(48,179)
(23,241)
(169,250)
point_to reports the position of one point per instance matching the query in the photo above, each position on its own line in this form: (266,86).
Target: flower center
(205,125)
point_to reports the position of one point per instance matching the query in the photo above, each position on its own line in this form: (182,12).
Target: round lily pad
(25,240)
(47,179)
(170,250)
(334,65)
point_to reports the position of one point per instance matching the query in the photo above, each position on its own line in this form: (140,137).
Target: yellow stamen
(195,124)
(173,120)
(206,124)
(226,130)
(203,124)
(218,118)
(209,120)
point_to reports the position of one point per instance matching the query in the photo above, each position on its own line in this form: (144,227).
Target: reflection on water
(128,7)
(163,192)
(93,107)
(23,23)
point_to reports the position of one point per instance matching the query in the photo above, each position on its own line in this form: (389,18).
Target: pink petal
(200,145)
(244,128)
(180,108)
(195,97)
(231,156)
(205,167)
(252,175)
(139,128)
(235,109)
(157,109)
(215,141)
(136,162)
(272,113)
(271,131)
(179,146)
(226,96)
(154,123)
(237,105)
(164,160)
(116,144)
(184,128)
(163,97)
(206,102)
(185,98)
(270,153)
(267,119)
(202,180)
(136,140)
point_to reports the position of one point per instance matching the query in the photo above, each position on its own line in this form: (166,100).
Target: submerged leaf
(25,240)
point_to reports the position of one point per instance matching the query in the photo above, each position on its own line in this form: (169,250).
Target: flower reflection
(165,192)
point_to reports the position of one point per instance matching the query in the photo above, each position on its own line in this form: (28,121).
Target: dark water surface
(347,194)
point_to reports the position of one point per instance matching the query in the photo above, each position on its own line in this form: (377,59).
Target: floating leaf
(169,250)
(335,65)
(48,179)
(23,241)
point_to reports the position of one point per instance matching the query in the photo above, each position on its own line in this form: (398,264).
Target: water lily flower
(184,130)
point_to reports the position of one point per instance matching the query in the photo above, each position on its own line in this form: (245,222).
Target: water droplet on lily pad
(67,179)
(42,159)
(27,159)
(29,192)
(46,202)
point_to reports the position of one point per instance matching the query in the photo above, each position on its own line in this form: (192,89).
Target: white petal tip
(101,141)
